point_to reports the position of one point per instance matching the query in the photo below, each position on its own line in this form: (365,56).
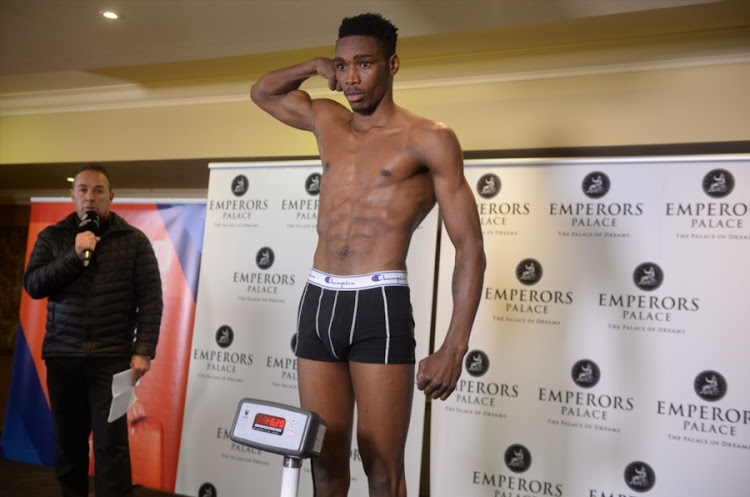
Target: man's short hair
(371,25)
(99,169)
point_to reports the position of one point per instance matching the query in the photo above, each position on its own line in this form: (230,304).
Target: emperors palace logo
(528,305)
(710,386)
(587,410)
(238,208)
(221,363)
(224,336)
(649,311)
(302,211)
(506,482)
(706,419)
(648,276)
(529,272)
(517,458)
(488,186)
(240,185)
(312,184)
(716,217)
(207,490)
(264,258)
(585,373)
(477,363)
(638,476)
(496,217)
(262,285)
(483,394)
(595,186)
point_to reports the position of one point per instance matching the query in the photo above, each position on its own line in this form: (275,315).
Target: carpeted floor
(19,479)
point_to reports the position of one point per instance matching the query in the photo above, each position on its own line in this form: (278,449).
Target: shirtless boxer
(384,168)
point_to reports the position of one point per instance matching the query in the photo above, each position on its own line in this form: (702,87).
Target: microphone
(89,222)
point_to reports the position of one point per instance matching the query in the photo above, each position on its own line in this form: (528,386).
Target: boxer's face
(363,73)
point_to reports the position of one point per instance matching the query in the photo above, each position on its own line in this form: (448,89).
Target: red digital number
(270,421)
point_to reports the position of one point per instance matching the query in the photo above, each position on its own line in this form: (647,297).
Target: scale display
(278,428)
(269,424)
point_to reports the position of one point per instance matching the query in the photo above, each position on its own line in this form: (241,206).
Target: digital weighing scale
(290,431)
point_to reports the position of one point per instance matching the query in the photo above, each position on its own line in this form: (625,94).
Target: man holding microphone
(104,305)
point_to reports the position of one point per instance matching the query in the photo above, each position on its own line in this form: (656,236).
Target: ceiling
(43,36)
(50,45)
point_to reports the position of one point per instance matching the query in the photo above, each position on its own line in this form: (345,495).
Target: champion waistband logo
(387,277)
(338,281)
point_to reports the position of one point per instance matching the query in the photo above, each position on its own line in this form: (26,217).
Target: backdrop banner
(260,238)
(176,231)
(609,354)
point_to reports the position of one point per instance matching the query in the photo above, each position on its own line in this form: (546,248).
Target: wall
(673,105)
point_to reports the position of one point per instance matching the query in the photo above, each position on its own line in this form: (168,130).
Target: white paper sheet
(123,394)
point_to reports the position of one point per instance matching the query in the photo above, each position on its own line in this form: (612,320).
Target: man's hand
(85,241)
(327,70)
(139,364)
(438,374)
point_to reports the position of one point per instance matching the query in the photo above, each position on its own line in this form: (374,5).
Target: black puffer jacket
(113,307)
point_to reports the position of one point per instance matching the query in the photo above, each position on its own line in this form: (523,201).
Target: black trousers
(80,392)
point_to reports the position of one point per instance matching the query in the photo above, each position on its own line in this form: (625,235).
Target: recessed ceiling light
(110,14)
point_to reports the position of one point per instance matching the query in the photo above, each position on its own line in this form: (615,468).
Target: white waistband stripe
(359,281)
(387,327)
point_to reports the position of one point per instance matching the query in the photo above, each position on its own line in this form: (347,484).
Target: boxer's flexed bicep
(278,92)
